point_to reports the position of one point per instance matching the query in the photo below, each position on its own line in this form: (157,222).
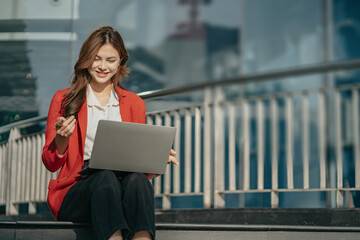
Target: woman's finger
(173,160)
(59,122)
(172,152)
(69,120)
(61,119)
(66,123)
(72,126)
(68,127)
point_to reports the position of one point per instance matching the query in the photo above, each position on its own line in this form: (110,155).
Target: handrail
(257,77)
(23,124)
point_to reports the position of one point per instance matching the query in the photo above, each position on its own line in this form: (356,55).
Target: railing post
(32,189)
(305,139)
(219,148)
(208,176)
(246,145)
(274,154)
(158,180)
(322,138)
(166,201)
(274,199)
(188,150)
(232,146)
(177,148)
(339,150)
(355,116)
(260,144)
(197,150)
(12,158)
(289,142)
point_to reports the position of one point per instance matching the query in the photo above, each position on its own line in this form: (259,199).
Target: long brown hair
(76,95)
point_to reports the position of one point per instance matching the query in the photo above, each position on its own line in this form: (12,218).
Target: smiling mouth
(102,74)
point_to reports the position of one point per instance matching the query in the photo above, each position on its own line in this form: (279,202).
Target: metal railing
(226,145)
(222,128)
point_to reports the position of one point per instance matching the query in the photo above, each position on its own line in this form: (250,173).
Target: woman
(118,205)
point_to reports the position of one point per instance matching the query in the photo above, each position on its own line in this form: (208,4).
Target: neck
(101,88)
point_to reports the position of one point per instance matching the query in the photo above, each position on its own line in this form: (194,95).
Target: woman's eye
(111,61)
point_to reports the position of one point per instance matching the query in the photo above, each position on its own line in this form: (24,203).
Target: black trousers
(111,201)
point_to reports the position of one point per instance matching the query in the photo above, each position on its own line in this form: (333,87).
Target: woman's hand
(65,127)
(172,159)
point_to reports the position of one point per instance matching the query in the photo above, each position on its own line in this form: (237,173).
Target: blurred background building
(175,43)
(171,43)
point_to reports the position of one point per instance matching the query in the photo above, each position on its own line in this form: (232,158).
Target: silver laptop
(131,147)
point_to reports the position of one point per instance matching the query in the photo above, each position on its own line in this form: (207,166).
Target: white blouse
(95,112)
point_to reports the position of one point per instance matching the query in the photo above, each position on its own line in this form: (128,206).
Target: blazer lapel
(124,105)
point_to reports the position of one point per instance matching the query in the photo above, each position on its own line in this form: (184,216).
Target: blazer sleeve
(50,157)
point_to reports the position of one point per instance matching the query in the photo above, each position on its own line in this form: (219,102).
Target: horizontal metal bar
(299,71)
(350,189)
(267,96)
(290,190)
(184,108)
(283,94)
(23,124)
(247,191)
(179,194)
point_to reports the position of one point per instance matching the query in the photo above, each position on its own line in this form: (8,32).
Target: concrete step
(31,230)
(319,224)
(264,216)
(254,232)
(248,216)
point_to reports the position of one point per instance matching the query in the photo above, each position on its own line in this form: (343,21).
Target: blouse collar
(93,101)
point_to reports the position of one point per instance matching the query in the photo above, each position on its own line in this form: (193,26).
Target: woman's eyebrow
(97,56)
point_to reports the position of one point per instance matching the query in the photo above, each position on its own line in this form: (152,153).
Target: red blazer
(132,109)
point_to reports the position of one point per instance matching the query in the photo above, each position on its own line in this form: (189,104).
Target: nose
(102,65)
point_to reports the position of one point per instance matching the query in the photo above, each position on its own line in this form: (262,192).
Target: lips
(102,74)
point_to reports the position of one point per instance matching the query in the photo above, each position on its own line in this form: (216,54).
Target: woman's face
(105,64)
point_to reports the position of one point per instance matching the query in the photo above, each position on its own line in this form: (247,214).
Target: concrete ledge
(79,231)
(186,227)
(247,216)
(31,230)
(256,228)
(263,216)
(207,224)
(251,235)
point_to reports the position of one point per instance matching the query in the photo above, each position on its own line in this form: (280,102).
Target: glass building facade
(174,43)
(171,43)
